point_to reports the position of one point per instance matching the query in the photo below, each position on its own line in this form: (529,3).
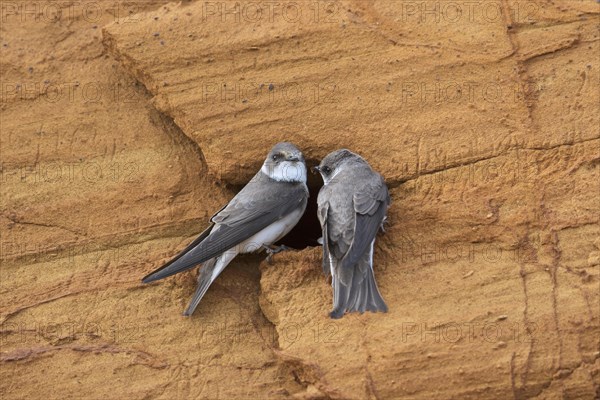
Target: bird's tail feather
(361,295)
(209,271)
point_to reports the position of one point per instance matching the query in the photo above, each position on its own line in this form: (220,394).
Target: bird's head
(334,163)
(285,163)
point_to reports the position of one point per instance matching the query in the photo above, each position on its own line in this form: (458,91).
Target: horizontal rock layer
(125,126)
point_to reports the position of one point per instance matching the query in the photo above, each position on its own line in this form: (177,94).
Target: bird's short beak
(294,157)
(315,169)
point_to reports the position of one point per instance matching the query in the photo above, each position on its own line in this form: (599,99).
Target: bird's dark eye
(326,170)
(275,157)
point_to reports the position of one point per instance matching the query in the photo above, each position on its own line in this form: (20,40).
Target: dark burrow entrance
(308,229)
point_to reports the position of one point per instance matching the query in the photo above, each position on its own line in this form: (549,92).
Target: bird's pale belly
(271,233)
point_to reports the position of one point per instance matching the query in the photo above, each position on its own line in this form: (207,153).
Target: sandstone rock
(119,143)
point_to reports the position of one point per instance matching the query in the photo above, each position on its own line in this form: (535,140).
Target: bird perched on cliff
(352,207)
(264,211)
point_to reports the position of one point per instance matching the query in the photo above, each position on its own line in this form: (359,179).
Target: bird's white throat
(285,171)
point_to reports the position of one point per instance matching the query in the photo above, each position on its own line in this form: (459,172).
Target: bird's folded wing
(253,209)
(370,204)
(200,238)
(323,214)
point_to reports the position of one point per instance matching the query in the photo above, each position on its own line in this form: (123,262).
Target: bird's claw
(383,224)
(273,250)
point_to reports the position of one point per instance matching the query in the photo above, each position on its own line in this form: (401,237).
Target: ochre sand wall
(124,128)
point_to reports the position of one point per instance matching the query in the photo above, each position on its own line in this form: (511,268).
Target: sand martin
(264,211)
(352,207)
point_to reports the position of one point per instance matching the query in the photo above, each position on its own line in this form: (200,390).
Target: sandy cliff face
(125,127)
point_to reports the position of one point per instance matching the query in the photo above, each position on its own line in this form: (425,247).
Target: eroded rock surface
(124,128)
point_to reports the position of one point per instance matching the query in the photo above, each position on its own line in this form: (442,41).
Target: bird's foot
(336,313)
(383,224)
(270,249)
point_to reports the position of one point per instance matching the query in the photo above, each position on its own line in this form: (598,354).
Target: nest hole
(308,230)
